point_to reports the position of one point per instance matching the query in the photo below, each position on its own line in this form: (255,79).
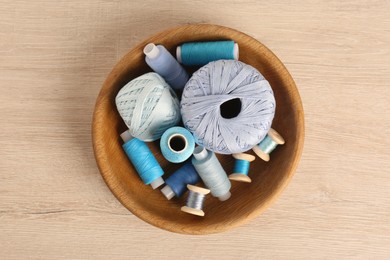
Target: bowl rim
(101,160)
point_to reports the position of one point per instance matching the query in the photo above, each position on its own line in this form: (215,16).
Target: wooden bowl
(248,200)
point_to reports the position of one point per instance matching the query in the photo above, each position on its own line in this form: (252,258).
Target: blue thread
(143,160)
(241,166)
(179,179)
(162,62)
(267,145)
(177,144)
(201,53)
(211,172)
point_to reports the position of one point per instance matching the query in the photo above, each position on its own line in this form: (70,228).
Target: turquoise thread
(143,160)
(267,145)
(201,53)
(241,167)
(177,156)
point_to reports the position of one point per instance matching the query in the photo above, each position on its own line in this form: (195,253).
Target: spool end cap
(157,183)
(126,136)
(168,192)
(197,212)
(224,197)
(200,153)
(260,153)
(151,51)
(178,53)
(240,177)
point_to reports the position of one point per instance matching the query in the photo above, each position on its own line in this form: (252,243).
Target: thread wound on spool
(268,144)
(211,172)
(195,199)
(205,106)
(144,161)
(161,61)
(201,53)
(177,144)
(148,106)
(179,179)
(241,167)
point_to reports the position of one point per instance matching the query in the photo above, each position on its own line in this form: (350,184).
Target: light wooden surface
(54,56)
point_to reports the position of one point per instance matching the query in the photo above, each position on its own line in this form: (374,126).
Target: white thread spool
(194,204)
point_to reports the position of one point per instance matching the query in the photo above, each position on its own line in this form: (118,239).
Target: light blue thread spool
(177,182)
(143,160)
(241,167)
(201,53)
(268,144)
(162,62)
(211,172)
(195,199)
(177,144)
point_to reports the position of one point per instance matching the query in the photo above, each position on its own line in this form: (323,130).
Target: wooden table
(54,56)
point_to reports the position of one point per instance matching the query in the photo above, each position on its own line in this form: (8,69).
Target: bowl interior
(248,199)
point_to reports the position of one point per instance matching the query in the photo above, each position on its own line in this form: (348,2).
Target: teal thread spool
(201,53)
(195,199)
(268,144)
(177,144)
(143,160)
(241,167)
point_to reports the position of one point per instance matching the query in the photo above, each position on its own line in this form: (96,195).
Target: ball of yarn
(228,106)
(148,106)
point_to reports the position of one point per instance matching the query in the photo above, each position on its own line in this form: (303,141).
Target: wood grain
(54,56)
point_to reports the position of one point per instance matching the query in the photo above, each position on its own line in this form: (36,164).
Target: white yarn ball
(216,84)
(148,106)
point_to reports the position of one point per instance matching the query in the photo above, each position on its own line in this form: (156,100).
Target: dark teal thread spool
(143,160)
(241,167)
(201,53)
(268,144)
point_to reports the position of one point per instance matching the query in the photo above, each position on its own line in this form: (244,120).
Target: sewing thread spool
(201,53)
(177,144)
(241,167)
(143,160)
(211,172)
(177,182)
(195,199)
(162,62)
(268,144)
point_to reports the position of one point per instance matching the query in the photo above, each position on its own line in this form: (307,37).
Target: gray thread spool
(195,199)
(212,173)
(268,144)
